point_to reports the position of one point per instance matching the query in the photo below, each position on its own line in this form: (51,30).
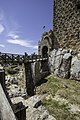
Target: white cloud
(20,42)
(13,36)
(1,45)
(1,28)
(15,39)
(35,47)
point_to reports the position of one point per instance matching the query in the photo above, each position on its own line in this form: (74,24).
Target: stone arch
(45,51)
(48,40)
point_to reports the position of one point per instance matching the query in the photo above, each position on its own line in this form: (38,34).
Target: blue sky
(21,24)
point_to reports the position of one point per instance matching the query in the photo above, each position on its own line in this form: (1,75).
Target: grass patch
(61,93)
(60,112)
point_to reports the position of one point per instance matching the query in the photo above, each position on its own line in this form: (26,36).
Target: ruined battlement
(45,45)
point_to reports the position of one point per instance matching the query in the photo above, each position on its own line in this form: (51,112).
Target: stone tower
(66,23)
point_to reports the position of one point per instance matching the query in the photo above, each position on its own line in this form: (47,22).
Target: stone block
(34,101)
(75,68)
(64,70)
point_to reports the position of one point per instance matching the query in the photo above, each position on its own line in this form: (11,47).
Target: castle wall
(66,23)
(65,63)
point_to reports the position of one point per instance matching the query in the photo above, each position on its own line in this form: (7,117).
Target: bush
(12,71)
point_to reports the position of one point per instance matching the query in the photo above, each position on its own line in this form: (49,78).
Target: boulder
(14,81)
(52,59)
(75,68)
(50,117)
(44,115)
(56,72)
(37,114)
(65,63)
(34,101)
(1,67)
(64,70)
(58,59)
(36,111)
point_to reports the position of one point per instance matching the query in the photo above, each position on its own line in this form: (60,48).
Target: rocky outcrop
(36,111)
(64,69)
(65,63)
(34,108)
(75,67)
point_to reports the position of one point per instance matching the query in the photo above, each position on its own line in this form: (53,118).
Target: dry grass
(60,94)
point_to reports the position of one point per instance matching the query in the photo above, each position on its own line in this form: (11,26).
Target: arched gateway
(45,51)
(45,45)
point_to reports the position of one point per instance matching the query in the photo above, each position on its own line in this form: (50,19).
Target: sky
(21,24)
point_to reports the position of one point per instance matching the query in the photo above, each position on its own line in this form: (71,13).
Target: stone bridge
(7,58)
(35,68)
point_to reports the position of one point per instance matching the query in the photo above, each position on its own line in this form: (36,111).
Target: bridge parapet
(16,58)
(33,67)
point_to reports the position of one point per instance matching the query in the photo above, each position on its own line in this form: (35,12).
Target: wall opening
(45,51)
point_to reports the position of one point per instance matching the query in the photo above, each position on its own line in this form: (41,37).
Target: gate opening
(45,51)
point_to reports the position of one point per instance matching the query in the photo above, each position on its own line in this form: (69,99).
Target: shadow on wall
(45,51)
(1,118)
(41,82)
(56,43)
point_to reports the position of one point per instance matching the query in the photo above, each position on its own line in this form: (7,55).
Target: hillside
(61,97)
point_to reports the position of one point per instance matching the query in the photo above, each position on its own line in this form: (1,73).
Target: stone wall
(40,70)
(66,23)
(6,112)
(34,73)
(65,63)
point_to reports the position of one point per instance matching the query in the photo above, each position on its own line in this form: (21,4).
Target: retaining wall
(65,63)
